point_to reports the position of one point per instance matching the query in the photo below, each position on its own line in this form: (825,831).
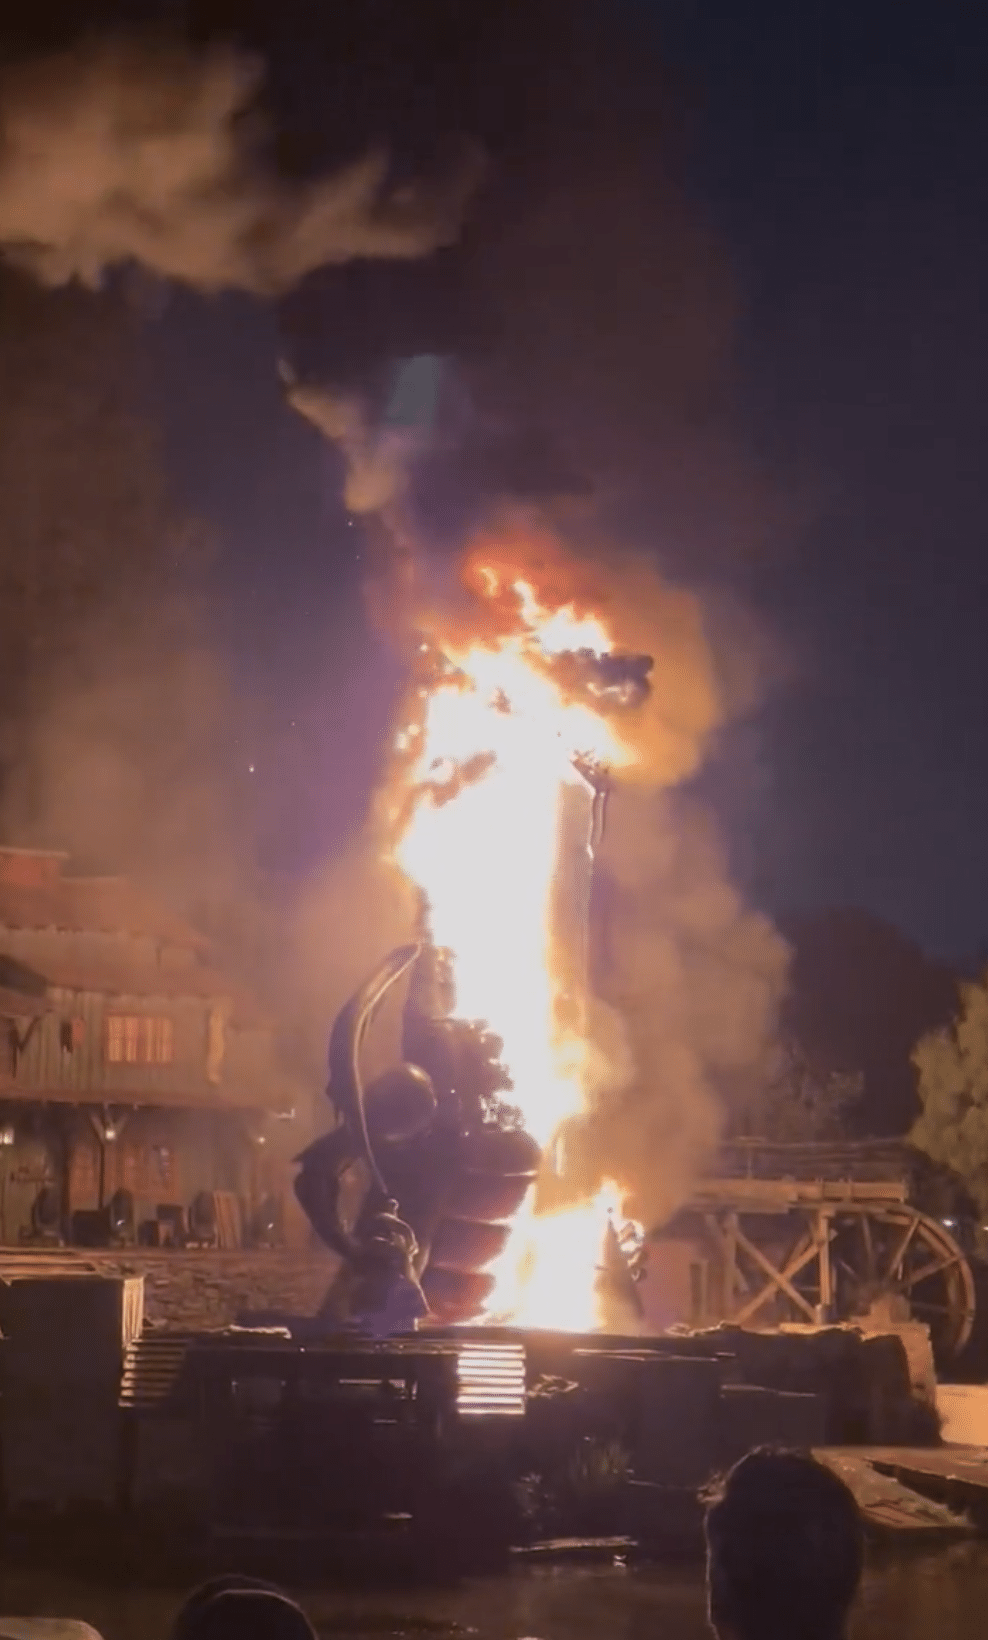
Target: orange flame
(483,846)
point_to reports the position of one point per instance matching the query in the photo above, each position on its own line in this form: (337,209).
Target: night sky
(839,152)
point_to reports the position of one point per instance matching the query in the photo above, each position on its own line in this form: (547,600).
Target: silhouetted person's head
(239,1608)
(784,1549)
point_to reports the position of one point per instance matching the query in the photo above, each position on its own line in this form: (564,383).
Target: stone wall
(195,1290)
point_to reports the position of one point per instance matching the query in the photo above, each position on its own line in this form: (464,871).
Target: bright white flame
(562,632)
(496,752)
(547,1275)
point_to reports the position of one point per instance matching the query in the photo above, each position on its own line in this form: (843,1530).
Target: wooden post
(778,1280)
(822,1232)
(731,1261)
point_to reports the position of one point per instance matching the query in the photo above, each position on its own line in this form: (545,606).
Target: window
(161,1171)
(84,1173)
(139,1039)
(146,1169)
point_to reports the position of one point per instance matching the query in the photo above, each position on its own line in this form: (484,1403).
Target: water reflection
(943,1594)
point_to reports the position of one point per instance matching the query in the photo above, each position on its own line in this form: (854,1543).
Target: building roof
(93,905)
(21,1005)
(240,1098)
(147,982)
(36,894)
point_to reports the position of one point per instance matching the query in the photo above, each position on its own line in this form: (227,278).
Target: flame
(548,1273)
(493,755)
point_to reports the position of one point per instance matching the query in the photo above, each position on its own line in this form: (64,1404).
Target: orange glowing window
(139,1039)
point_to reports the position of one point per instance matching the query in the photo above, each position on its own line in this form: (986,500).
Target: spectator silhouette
(240,1608)
(784,1549)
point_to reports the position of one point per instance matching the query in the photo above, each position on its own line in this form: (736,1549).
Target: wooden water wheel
(898,1253)
(788,1250)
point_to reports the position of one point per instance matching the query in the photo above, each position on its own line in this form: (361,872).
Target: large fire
(492,757)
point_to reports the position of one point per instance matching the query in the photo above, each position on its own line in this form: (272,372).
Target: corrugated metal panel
(490,1380)
(19,1005)
(46,1064)
(152,1367)
(490,1377)
(46,1069)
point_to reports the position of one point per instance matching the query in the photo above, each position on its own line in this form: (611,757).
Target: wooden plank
(801,1256)
(772,1194)
(890,1508)
(950,1471)
(776,1277)
(579,1551)
(229,1230)
(823,1234)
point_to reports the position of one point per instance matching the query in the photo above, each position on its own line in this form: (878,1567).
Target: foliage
(800,1102)
(861,993)
(596,1467)
(952,1065)
(580,1494)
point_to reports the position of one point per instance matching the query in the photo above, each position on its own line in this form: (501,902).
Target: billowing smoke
(376,460)
(125,757)
(119,736)
(589,319)
(346,917)
(132,151)
(586,323)
(688,981)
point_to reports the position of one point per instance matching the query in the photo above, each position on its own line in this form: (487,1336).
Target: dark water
(938,1596)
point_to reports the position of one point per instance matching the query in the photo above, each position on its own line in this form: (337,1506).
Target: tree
(861,993)
(952,1066)
(800,1102)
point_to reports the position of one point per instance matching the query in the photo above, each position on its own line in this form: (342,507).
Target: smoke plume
(125,757)
(376,462)
(130,151)
(689,980)
(586,320)
(589,316)
(119,737)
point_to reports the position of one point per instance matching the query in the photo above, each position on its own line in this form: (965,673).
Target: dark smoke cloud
(128,150)
(586,315)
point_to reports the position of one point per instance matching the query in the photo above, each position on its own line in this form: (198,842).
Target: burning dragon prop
(424,1134)
(442,1152)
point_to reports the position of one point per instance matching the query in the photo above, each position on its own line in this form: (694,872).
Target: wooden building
(127,1061)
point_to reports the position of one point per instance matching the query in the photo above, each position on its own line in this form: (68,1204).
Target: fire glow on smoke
(493,755)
